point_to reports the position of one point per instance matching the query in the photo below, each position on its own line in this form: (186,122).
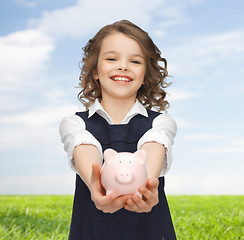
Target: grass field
(194,217)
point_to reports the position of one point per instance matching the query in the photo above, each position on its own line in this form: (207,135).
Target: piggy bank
(123,172)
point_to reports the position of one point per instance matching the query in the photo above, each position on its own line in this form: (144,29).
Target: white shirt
(73,132)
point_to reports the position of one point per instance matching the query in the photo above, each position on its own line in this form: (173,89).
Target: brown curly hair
(151,93)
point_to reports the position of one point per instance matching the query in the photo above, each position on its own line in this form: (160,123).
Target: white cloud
(38,117)
(27,3)
(227,143)
(171,13)
(231,145)
(7,103)
(34,126)
(55,95)
(223,150)
(56,183)
(186,123)
(81,19)
(239,142)
(180,95)
(25,54)
(202,137)
(206,51)
(204,184)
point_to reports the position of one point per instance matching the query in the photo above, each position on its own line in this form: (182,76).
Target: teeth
(122,79)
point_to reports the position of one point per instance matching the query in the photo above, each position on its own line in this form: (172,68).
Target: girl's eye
(136,62)
(111,59)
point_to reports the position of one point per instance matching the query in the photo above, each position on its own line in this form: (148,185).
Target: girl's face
(121,67)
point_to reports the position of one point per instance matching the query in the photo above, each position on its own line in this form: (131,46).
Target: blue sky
(40,46)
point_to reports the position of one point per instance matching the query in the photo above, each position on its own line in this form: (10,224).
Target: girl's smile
(121,67)
(121,79)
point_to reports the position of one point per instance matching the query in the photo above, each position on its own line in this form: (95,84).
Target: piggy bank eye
(130,162)
(119,161)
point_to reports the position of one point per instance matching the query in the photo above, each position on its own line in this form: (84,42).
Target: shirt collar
(137,108)
(94,108)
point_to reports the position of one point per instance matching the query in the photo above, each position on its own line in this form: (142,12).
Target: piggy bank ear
(141,155)
(109,154)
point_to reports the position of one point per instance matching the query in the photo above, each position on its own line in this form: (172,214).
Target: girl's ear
(95,75)
(144,81)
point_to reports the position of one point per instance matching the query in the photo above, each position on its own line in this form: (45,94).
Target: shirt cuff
(158,136)
(84,138)
(73,133)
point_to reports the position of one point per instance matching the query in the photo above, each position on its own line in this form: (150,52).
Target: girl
(121,82)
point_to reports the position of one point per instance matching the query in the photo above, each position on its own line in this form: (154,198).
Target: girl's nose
(122,66)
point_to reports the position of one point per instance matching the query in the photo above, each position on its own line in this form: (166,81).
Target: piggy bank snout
(124,176)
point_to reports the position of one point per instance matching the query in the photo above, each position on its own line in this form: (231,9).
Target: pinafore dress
(89,223)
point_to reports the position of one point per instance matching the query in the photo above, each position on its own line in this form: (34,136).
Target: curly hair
(151,94)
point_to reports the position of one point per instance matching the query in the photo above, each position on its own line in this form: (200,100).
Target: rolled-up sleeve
(163,131)
(73,132)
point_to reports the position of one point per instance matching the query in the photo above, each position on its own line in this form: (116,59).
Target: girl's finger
(151,197)
(113,200)
(152,184)
(121,201)
(140,203)
(131,205)
(147,194)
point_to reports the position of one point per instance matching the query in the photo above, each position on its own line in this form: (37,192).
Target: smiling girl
(121,82)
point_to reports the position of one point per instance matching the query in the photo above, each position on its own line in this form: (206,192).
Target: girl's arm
(157,142)
(155,158)
(88,164)
(163,131)
(85,156)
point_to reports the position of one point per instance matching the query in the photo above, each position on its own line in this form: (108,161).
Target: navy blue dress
(89,223)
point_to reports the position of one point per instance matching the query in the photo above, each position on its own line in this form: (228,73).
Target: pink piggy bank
(123,172)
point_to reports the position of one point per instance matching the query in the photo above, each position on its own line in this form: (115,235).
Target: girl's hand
(107,204)
(149,199)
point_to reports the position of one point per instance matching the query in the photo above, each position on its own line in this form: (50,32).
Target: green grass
(194,217)
(35,217)
(208,217)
